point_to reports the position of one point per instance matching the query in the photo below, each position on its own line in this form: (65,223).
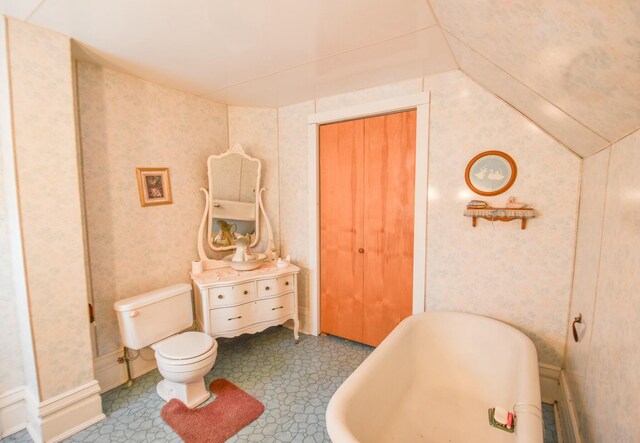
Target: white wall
(603,366)
(520,277)
(11,369)
(49,204)
(499,270)
(294,191)
(127,123)
(256,129)
(524,276)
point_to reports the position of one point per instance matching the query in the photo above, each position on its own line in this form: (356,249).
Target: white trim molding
(304,314)
(549,383)
(61,416)
(569,426)
(111,373)
(13,412)
(419,102)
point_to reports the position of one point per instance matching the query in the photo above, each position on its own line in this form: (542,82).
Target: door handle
(577,319)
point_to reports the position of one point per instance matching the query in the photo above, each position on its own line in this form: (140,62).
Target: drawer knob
(361,251)
(220,296)
(286,283)
(246,292)
(234,318)
(266,288)
(279,307)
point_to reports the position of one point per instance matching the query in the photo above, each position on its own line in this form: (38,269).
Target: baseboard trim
(549,383)
(556,415)
(13,412)
(59,417)
(569,424)
(110,373)
(303,317)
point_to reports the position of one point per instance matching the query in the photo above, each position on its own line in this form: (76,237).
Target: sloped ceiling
(571,66)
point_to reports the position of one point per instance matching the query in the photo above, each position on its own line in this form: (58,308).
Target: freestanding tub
(434,378)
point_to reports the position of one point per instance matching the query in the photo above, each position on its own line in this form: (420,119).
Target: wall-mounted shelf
(500,214)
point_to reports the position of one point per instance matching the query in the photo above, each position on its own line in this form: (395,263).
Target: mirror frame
(235,150)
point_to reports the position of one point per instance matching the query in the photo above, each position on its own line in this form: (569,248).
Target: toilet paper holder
(577,319)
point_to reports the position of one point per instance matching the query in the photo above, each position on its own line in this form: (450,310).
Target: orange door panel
(341,193)
(367,176)
(389,179)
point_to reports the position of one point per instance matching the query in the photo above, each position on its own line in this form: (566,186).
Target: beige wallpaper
(294,190)
(126,123)
(520,277)
(20,367)
(603,365)
(114,113)
(11,369)
(256,129)
(497,269)
(47,170)
(585,277)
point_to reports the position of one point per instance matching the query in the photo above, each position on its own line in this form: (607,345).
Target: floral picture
(491,173)
(154,186)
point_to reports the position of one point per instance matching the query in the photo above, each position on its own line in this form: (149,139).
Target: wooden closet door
(389,178)
(341,234)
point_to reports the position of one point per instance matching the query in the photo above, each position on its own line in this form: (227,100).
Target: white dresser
(229,302)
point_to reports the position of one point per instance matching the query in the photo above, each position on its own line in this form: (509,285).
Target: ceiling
(257,52)
(573,67)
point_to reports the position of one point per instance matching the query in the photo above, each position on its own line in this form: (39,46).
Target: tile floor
(295,383)
(550,431)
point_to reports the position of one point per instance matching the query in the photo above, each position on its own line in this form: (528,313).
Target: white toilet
(155,319)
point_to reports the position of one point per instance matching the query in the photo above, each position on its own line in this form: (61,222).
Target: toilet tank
(147,318)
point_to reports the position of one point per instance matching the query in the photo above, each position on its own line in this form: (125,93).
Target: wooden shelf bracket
(500,214)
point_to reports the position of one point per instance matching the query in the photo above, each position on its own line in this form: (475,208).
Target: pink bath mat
(225,416)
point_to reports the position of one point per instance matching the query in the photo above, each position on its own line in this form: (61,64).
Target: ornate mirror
(234,183)
(233,205)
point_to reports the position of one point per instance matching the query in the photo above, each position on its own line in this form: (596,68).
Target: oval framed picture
(491,173)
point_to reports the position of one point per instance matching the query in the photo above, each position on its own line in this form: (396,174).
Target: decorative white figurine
(242,245)
(513,204)
(248,253)
(283,262)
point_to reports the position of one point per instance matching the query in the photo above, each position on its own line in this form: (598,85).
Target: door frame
(419,102)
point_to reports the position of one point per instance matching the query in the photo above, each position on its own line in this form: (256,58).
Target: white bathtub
(434,378)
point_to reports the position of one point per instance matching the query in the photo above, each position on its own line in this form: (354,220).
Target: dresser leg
(296,326)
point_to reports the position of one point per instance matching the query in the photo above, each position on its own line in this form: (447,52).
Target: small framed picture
(154,186)
(491,173)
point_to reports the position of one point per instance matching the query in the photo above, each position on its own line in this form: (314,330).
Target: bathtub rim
(336,412)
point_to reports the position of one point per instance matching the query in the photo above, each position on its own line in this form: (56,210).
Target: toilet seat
(186,349)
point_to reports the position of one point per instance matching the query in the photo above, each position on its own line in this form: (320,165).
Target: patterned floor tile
(295,383)
(550,431)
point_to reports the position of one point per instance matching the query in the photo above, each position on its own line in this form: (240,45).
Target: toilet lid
(186,345)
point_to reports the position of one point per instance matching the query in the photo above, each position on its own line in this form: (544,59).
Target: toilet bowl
(157,319)
(183,360)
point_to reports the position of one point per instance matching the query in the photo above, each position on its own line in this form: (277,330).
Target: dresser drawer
(232,295)
(274,286)
(234,317)
(274,308)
